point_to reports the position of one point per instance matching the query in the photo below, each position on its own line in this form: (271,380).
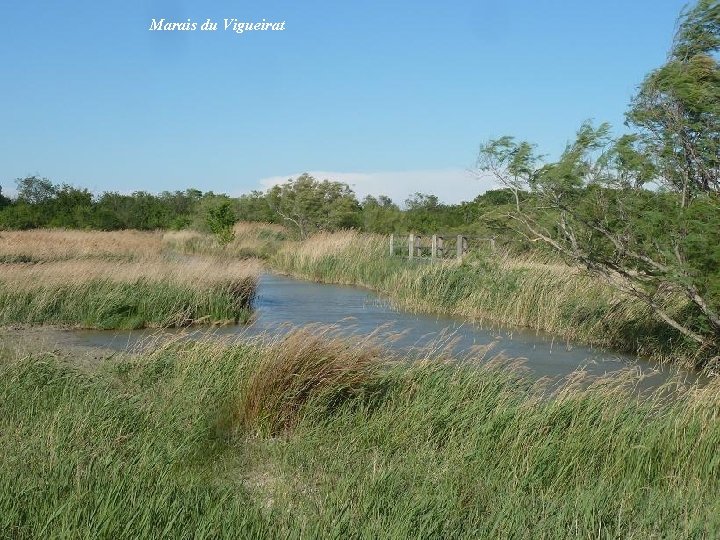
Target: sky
(392,97)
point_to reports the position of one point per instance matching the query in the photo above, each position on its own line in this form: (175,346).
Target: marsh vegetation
(117,280)
(313,436)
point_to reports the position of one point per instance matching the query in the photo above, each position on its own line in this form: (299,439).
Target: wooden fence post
(411,246)
(392,245)
(433,248)
(461,247)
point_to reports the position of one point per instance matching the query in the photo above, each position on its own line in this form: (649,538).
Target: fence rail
(433,247)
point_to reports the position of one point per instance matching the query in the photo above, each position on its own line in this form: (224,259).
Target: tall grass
(58,244)
(251,240)
(86,456)
(90,291)
(158,445)
(492,289)
(109,304)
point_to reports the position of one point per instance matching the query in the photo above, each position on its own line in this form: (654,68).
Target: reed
(108,304)
(60,244)
(156,445)
(302,367)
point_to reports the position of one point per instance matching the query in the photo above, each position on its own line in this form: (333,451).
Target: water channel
(283,303)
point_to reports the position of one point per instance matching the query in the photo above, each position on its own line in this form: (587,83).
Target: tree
(70,207)
(310,206)
(181,206)
(677,108)
(511,162)
(32,207)
(379,214)
(220,220)
(659,244)
(254,206)
(646,243)
(35,190)
(423,213)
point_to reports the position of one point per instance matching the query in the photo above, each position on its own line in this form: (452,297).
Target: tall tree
(677,108)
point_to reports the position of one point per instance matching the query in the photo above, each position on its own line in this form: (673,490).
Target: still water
(284,302)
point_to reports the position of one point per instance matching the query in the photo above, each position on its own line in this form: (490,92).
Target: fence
(436,246)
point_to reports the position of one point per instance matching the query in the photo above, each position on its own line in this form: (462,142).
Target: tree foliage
(4,201)
(327,206)
(642,210)
(677,108)
(379,214)
(220,220)
(40,203)
(309,205)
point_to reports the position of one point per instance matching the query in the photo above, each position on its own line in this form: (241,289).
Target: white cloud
(449,185)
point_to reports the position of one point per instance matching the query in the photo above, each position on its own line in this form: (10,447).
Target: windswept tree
(511,162)
(677,108)
(643,210)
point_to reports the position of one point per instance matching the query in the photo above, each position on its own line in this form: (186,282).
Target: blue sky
(393,97)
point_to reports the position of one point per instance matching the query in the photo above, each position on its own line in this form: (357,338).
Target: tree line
(42,204)
(304,204)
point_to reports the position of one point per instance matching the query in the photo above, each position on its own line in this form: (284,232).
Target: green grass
(174,444)
(109,304)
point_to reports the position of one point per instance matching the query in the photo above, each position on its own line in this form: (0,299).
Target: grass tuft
(302,367)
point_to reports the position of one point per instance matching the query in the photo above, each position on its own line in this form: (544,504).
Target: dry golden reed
(250,240)
(125,279)
(197,272)
(59,244)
